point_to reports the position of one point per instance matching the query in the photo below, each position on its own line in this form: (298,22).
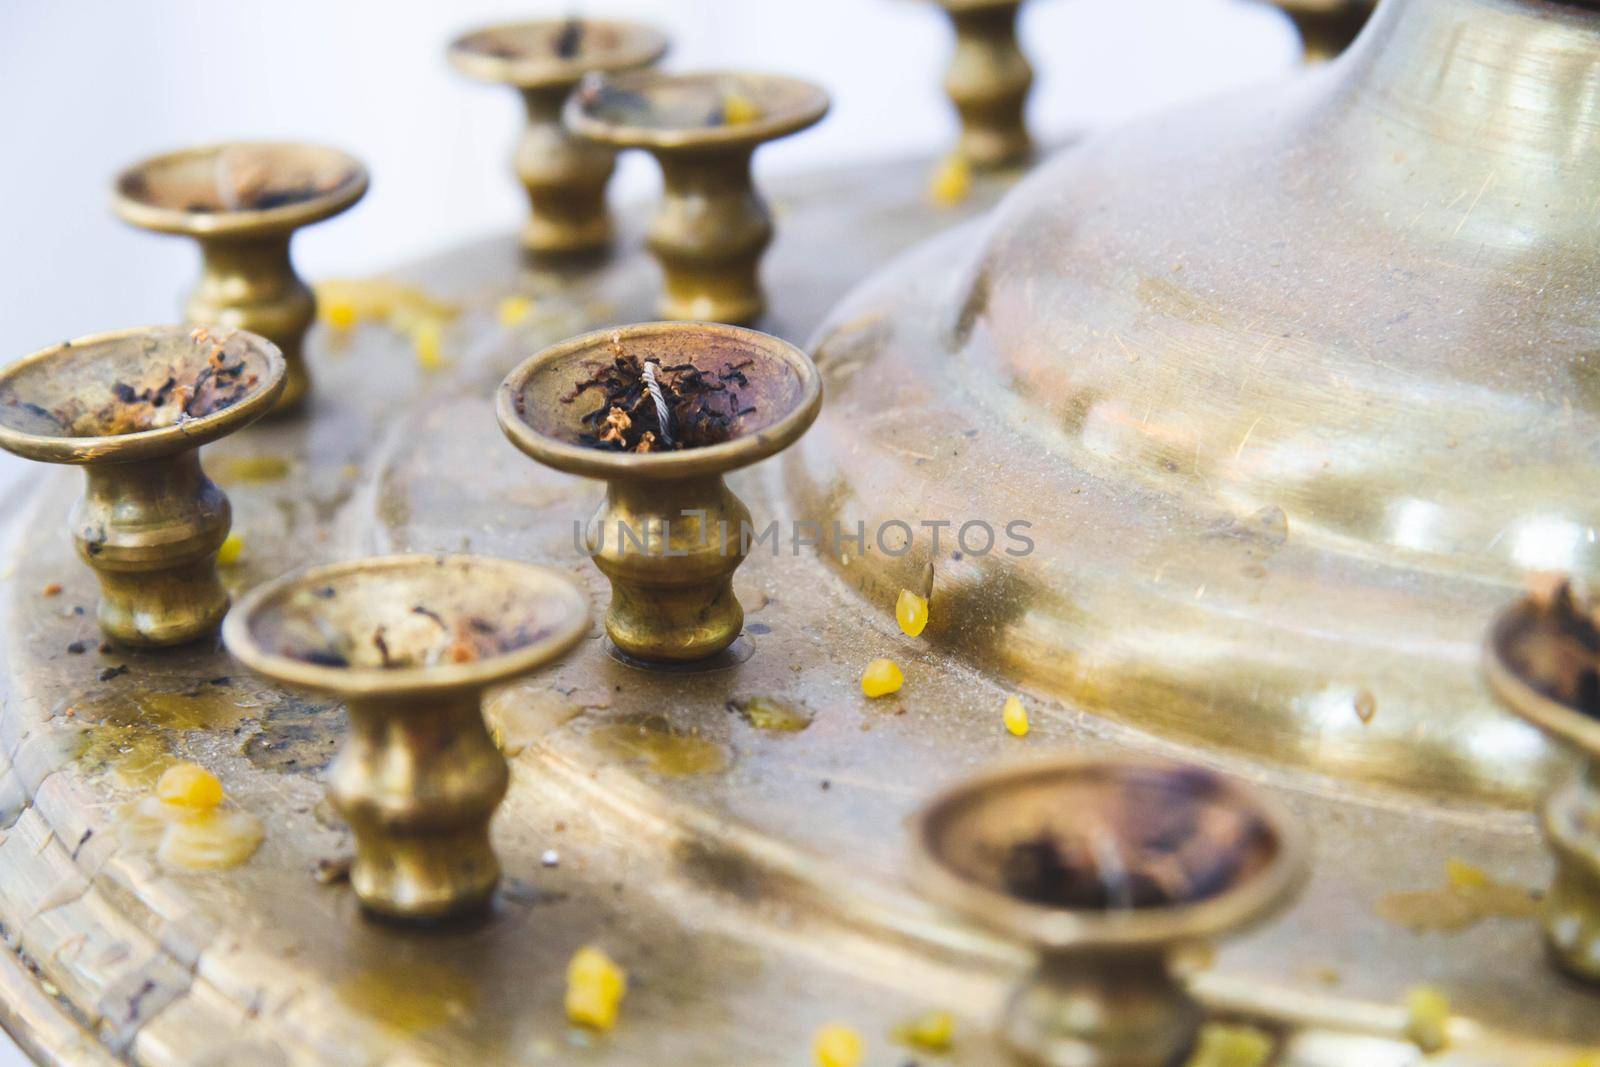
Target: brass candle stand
(410,643)
(670,534)
(1327,26)
(987,80)
(132,408)
(1109,869)
(565,177)
(243,202)
(713,226)
(1538,662)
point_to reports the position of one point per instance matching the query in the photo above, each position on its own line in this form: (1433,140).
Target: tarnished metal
(242,202)
(1540,659)
(565,177)
(753,882)
(670,534)
(1286,444)
(261,962)
(1108,870)
(410,643)
(1212,592)
(132,408)
(987,80)
(712,226)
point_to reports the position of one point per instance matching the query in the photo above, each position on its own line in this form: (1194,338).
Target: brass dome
(1293,388)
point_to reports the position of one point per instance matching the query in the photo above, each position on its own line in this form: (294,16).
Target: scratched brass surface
(753,883)
(1295,386)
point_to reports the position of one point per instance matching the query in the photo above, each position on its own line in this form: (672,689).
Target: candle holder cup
(670,534)
(1540,660)
(410,643)
(132,408)
(565,177)
(243,202)
(712,226)
(1108,869)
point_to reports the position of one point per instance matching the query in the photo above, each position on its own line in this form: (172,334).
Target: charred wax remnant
(1558,654)
(702,408)
(719,102)
(245,181)
(570,40)
(164,394)
(1156,842)
(619,105)
(420,637)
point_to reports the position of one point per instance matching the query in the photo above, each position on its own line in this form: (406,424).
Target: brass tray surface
(751,882)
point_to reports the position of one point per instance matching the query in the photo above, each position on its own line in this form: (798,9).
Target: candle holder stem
(709,234)
(988,81)
(565,179)
(249,283)
(670,549)
(1572,908)
(418,781)
(1089,1009)
(150,530)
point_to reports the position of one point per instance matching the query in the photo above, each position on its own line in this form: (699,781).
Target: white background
(90,86)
